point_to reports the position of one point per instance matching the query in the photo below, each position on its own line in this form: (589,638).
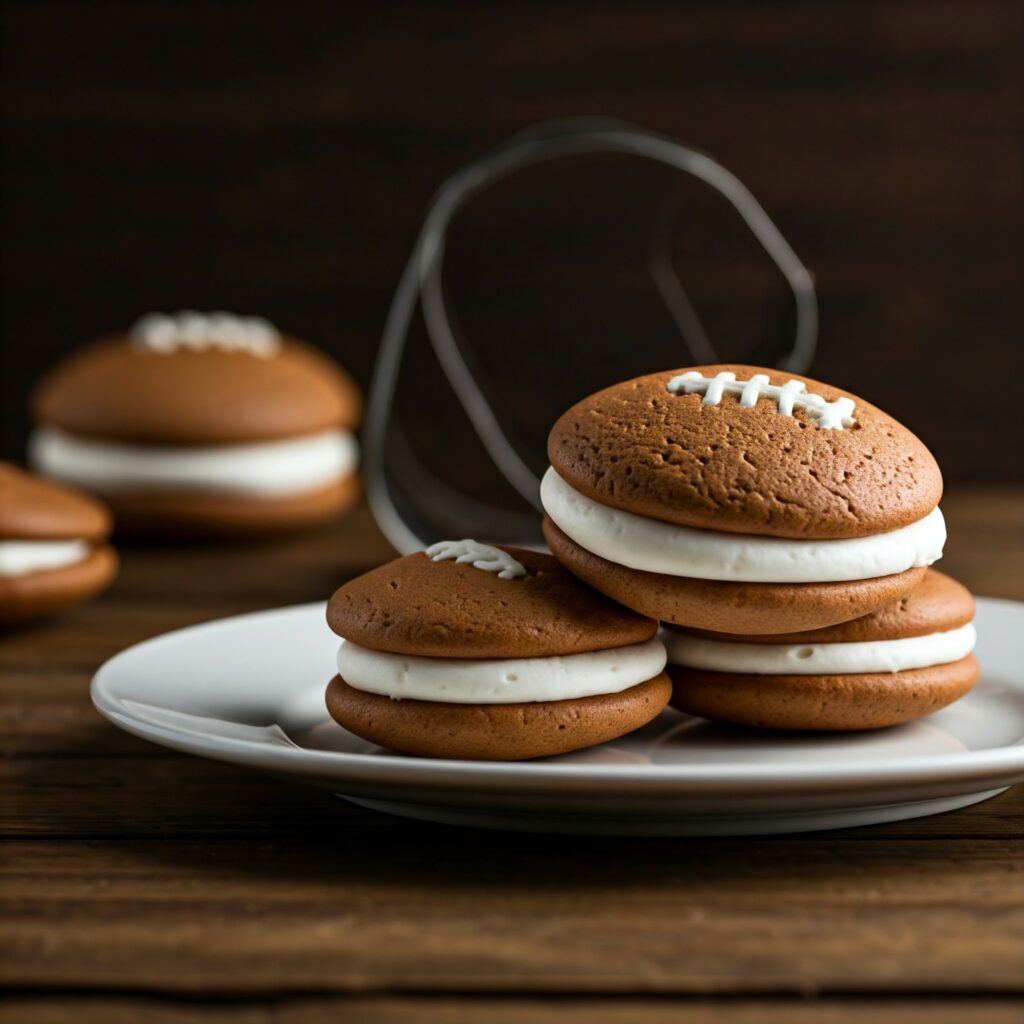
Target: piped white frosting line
(203,332)
(270,469)
(820,659)
(499,680)
(652,546)
(21,557)
(480,556)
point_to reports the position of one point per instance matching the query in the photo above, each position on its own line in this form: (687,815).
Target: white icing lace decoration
(792,395)
(480,556)
(201,332)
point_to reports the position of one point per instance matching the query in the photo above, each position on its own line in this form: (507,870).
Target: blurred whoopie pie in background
(53,546)
(202,423)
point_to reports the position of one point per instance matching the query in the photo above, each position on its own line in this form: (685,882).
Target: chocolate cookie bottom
(742,608)
(835,703)
(41,593)
(495,732)
(217,515)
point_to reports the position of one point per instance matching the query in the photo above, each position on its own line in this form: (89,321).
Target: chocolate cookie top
(478,601)
(200,381)
(757,454)
(937,605)
(35,509)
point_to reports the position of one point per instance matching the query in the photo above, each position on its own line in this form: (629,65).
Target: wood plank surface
(53,798)
(479,911)
(504,1010)
(141,884)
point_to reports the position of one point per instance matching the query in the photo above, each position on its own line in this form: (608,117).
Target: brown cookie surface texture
(935,604)
(495,732)
(832,703)
(32,508)
(37,594)
(226,515)
(448,609)
(638,447)
(118,391)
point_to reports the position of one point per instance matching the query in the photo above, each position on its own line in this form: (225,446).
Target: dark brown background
(277,158)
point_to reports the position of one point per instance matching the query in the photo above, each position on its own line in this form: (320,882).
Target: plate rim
(998,763)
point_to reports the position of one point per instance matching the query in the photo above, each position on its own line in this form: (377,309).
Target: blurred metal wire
(422,283)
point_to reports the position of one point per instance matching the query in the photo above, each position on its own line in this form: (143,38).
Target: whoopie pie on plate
(472,651)
(53,546)
(900,663)
(741,500)
(203,423)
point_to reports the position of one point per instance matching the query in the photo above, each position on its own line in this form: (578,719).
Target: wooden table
(140,884)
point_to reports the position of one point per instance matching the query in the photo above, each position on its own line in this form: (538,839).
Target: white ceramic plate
(249,690)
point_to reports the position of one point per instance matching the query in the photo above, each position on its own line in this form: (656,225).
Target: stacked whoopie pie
(473,651)
(202,423)
(53,546)
(902,662)
(781,529)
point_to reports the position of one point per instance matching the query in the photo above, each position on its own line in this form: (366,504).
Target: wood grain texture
(479,912)
(53,798)
(142,884)
(505,1010)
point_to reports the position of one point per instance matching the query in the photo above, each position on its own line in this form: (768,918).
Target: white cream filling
(499,680)
(652,546)
(820,659)
(21,557)
(271,468)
